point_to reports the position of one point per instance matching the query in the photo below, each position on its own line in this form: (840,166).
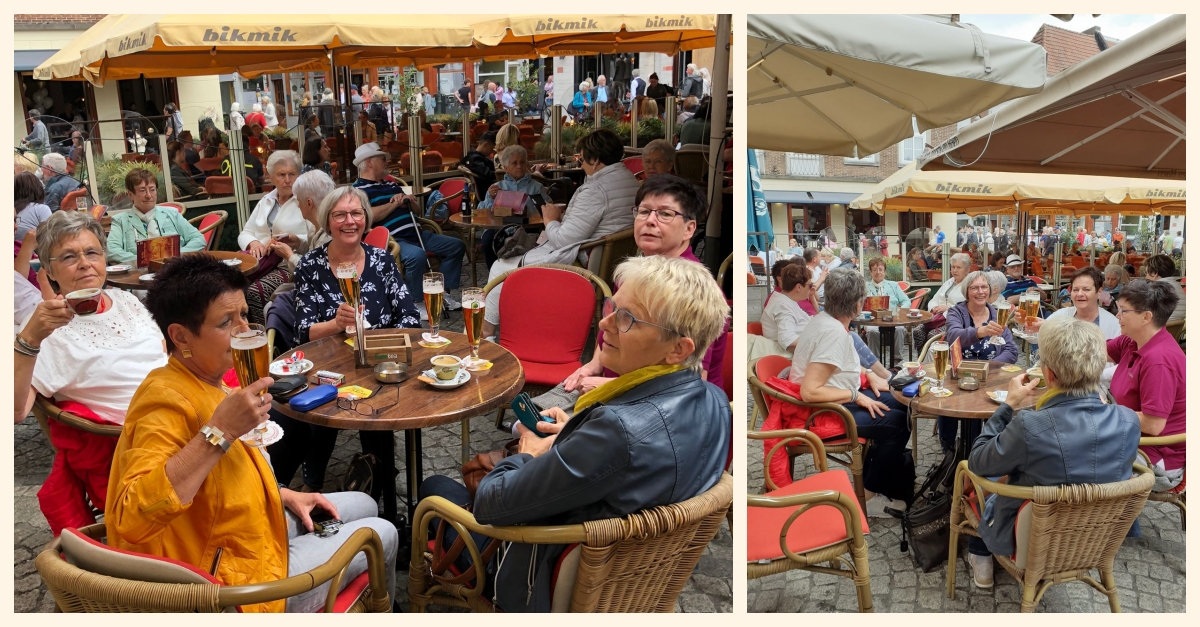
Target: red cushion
(81,410)
(817,528)
(174,562)
(547,315)
(207,222)
(548,374)
(450,188)
(770,366)
(346,598)
(377,237)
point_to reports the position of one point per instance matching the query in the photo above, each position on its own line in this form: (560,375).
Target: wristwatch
(216,437)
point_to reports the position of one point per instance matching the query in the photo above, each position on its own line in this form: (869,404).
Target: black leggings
(311,446)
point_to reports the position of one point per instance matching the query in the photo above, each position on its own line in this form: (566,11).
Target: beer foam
(428,288)
(346,273)
(473,304)
(248,343)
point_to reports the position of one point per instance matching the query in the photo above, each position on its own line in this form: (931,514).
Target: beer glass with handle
(251,361)
(434,288)
(473,307)
(941,363)
(1003,311)
(1030,303)
(347,278)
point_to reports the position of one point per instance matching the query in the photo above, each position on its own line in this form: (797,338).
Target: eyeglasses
(343,216)
(71,259)
(625,320)
(356,404)
(1121,312)
(665,216)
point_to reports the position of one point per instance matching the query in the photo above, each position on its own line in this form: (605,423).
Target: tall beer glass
(251,361)
(941,363)
(473,307)
(1003,311)
(434,289)
(1030,303)
(347,278)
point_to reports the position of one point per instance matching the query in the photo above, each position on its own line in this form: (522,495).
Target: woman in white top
(1085,295)
(269,112)
(277,215)
(947,296)
(99,359)
(308,190)
(236,119)
(782,319)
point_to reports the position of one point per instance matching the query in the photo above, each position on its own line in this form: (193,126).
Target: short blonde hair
(508,135)
(649,108)
(1074,350)
(677,294)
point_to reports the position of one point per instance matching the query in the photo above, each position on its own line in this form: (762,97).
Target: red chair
(537,124)
(438,128)
(634,165)
(547,313)
(70,167)
(754,328)
(429,137)
(903,285)
(431,161)
(750,280)
(223,185)
(178,207)
(528,142)
(727,369)
(209,164)
(916,298)
(377,237)
(454,191)
(210,225)
(448,150)
(70,202)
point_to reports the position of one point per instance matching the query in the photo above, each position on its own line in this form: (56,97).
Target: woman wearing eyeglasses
(619,450)
(88,364)
(148,220)
(321,311)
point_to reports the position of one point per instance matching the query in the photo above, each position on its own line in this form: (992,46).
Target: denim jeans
(884,466)
(449,249)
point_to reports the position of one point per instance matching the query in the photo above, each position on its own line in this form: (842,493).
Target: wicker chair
(1178,330)
(1072,529)
(45,410)
(914,414)
(725,266)
(831,532)
(212,222)
(639,563)
(852,448)
(614,249)
(1176,496)
(77,590)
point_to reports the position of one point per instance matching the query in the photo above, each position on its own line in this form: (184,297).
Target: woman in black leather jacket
(656,435)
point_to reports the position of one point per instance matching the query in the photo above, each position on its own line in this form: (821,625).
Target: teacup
(446,367)
(85,302)
(914,312)
(1036,373)
(912,367)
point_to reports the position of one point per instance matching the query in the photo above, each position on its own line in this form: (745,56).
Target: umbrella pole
(633,123)
(466,132)
(720,104)
(237,161)
(669,117)
(598,113)
(415,151)
(556,134)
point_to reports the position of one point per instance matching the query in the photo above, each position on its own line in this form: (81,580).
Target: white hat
(235,107)
(366,151)
(1013,260)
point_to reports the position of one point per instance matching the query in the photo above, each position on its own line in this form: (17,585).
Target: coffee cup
(912,367)
(85,302)
(446,367)
(1036,373)
(914,312)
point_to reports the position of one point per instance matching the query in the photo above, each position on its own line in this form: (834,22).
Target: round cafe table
(132,280)
(483,219)
(420,406)
(887,331)
(968,404)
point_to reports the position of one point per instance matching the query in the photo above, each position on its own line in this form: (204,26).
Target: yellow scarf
(1045,398)
(623,384)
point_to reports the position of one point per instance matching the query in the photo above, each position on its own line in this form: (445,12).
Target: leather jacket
(1029,447)
(662,442)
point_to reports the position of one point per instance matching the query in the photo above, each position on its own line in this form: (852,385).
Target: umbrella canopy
(546,35)
(128,46)
(1119,113)
(833,84)
(759,218)
(976,193)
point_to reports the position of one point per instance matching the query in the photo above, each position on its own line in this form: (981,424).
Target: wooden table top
(132,280)
(421,405)
(903,320)
(967,404)
(483,219)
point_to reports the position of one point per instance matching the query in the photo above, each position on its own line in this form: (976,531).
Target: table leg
(887,335)
(466,440)
(471,255)
(412,457)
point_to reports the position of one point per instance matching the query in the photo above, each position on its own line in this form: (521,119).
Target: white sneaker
(875,506)
(421,310)
(981,569)
(451,304)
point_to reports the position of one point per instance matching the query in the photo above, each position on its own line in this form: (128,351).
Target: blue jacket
(663,442)
(1070,440)
(960,326)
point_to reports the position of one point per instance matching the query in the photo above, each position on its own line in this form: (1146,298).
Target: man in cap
(1018,283)
(393,209)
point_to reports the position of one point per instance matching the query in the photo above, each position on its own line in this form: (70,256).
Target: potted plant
(283,138)
(110,181)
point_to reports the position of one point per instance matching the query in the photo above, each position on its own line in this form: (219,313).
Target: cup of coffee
(1036,373)
(912,367)
(85,302)
(914,312)
(446,367)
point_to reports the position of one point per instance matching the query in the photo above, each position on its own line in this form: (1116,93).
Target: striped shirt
(400,222)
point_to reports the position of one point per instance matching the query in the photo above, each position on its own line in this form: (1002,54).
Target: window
(912,147)
(868,160)
(800,164)
(761,157)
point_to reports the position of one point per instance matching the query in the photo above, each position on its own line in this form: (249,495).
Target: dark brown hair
(137,176)
(795,274)
(601,144)
(1157,297)
(27,190)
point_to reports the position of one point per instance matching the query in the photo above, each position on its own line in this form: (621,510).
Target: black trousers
(311,446)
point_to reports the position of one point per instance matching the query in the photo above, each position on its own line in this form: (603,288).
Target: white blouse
(783,320)
(287,221)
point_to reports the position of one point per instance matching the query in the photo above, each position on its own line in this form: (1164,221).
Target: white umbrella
(831,84)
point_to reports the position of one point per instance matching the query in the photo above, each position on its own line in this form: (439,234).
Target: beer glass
(347,278)
(473,308)
(941,363)
(1003,311)
(251,361)
(1030,303)
(434,289)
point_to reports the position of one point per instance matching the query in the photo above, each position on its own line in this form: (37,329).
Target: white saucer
(277,368)
(912,316)
(146,278)
(920,373)
(274,434)
(232,262)
(998,397)
(463,376)
(118,269)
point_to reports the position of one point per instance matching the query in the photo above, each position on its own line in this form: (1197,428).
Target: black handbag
(926,522)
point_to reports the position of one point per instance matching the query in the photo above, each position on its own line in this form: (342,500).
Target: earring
(187,354)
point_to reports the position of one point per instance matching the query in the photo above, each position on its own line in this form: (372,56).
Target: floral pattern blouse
(382,290)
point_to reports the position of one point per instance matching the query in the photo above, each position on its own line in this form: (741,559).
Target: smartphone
(324,524)
(529,414)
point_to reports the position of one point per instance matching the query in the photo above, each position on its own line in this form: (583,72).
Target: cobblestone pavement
(1150,572)
(709,589)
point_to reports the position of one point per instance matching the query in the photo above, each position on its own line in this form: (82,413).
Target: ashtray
(968,383)
(391,372)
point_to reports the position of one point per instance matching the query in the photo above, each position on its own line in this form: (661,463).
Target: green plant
(110,180)
(570,134)
(1145,235)
(276,132)
(526,94)
(406,88)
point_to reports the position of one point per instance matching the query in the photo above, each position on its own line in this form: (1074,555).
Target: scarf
(623,384)
(148,219)
(1045,398)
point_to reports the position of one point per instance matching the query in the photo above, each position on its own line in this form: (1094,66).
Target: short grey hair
(976,275)
(508,153)
(663,148)
(583,86)
(55,162)
(279,155)
(998,281)
(847,254)
(961,259)
(313,184)
(1074,350)
(334,197)
(636,73)
(845,290)
(61,226)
